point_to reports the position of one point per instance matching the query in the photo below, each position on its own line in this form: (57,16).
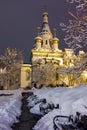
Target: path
(27,120)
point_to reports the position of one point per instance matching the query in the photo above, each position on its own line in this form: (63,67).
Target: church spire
(45,26)
(55,40)
(45,14)
(54,32)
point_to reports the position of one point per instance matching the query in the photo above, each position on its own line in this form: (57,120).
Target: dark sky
(19,19)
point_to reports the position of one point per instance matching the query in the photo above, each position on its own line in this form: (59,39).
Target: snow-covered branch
(76,29)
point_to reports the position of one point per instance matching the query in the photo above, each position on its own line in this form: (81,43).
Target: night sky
(20,18)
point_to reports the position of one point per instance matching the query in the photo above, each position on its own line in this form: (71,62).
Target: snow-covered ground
(10,108)
(70,100)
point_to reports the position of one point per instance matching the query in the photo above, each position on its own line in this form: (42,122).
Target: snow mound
(10,108)
(70,100)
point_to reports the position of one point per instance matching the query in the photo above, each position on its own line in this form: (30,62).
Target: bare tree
(45,74)
(76,35)
(11,61)
(76,30)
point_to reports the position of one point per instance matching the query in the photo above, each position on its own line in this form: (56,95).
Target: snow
(70,100)
(10,108)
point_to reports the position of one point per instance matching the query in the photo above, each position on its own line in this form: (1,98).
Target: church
(47,60)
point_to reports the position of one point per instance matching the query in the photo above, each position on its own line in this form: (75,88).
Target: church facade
(48,61)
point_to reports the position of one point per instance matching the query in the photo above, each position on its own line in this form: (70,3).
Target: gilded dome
(38,39)
(55,40)
(45,14)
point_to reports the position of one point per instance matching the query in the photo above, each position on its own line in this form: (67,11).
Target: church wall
(25,76)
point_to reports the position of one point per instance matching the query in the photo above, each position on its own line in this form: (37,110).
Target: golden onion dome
(38,39)
(45,14)
(55,40)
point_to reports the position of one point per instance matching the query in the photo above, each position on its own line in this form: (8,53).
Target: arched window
(46,42)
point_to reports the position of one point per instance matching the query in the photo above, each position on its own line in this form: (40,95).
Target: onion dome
(45,17)
(45,14)
(38,39)
(55,40)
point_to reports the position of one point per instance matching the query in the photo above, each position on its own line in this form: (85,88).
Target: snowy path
(27,120)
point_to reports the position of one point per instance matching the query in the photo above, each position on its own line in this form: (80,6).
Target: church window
(42,44)
(46,42)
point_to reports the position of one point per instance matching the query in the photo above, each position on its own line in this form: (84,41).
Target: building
(50,65)
(47,60)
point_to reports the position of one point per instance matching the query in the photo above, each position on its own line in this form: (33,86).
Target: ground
(27,120)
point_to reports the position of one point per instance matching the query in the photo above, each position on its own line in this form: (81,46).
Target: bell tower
(46,32)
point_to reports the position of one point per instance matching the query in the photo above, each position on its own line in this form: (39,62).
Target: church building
(47,61)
